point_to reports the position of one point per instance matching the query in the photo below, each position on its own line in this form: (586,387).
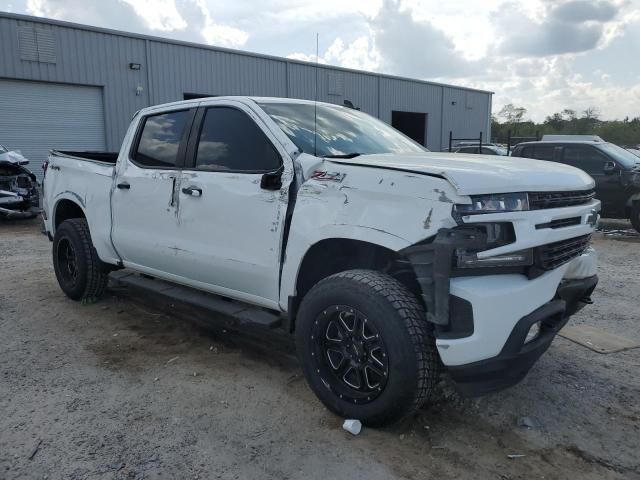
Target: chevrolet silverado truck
(388,263)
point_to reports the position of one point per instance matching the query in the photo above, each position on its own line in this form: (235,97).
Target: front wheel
(80,273)
(365,346)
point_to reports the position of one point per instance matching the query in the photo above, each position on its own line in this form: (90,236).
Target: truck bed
(103,157)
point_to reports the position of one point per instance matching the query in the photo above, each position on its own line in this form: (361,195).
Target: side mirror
(272,180)
(609,167)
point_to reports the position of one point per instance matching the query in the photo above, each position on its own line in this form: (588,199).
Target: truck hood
(478,174)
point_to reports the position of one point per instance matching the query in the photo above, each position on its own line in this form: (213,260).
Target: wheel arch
(331,255)
(66,208)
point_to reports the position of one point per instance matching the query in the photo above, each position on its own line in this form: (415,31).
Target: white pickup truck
(387,262)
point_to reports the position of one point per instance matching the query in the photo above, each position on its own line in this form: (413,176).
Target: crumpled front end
(499,286)
(19,196)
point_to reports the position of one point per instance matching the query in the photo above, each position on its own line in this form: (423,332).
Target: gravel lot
(132,387)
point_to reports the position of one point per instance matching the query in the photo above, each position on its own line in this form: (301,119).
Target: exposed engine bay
(19,197)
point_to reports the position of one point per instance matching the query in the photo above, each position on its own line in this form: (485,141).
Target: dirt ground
(132,388)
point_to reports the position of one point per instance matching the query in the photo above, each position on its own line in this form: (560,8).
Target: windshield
(340,131)
(619,154)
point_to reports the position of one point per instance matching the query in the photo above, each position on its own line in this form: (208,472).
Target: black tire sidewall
(635,216)
(400,390)
(69,231)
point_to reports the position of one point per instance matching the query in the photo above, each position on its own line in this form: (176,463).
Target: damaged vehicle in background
(19,197)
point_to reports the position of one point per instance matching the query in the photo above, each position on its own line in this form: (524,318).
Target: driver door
(230,222)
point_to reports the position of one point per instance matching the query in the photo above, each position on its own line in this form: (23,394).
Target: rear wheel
(635,215)
(366,348)
(80,273)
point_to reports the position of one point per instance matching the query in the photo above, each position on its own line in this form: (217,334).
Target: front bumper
(9,213)
(517,357)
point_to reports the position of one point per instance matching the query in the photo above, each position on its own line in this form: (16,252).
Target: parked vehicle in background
(615,170)
(19,197)
(484,150)
(385,261)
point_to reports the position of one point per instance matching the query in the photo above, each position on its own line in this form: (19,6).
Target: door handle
(193,191)
(123,186)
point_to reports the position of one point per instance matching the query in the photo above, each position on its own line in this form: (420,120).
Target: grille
(542,200)
(555,254)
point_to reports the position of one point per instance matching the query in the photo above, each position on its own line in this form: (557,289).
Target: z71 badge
(324,176)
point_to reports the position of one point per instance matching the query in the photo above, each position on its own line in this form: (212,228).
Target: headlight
(499,202)
(495,235)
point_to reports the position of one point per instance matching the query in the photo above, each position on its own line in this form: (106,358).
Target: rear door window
(543,152)
(160,139)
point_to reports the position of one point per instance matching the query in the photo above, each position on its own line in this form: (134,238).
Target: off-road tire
(389,307)
(635,215)
(91,276)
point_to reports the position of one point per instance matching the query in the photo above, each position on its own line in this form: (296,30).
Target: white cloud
(161,15)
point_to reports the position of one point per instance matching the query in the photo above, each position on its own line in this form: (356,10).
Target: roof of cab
(240,98)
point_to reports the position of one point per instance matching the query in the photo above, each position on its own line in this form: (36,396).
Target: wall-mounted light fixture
(135,66)
(139,90)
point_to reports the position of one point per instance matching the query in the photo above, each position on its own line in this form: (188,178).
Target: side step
(244,314)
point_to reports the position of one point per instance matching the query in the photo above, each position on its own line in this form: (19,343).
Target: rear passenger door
(144,203)
(230,224)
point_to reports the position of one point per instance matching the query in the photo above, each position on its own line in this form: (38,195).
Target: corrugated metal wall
(52,51)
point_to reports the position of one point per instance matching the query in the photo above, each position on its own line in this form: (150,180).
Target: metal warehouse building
(71,86)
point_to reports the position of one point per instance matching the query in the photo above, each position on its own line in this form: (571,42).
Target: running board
(244,314)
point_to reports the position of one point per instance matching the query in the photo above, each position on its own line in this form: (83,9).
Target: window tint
(468,150)
(585,158)
(488,151)
(160,139)
(543,152)
(230,140)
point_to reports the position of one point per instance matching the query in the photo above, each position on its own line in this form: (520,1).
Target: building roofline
(121,33)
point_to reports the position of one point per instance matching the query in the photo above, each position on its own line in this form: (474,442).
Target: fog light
(533,333)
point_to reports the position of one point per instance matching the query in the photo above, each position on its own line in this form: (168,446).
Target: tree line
(567,122)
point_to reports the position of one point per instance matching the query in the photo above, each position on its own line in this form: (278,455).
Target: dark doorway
(193,96)
(412,124)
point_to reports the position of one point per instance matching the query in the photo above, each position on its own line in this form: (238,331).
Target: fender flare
(300,246)
(70,196)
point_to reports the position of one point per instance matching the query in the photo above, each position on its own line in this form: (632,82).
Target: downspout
(441,117)
(148,65)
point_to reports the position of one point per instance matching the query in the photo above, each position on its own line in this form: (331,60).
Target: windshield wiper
(343,155)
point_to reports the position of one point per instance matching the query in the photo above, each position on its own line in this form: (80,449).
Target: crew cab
(388,263)
(615,170)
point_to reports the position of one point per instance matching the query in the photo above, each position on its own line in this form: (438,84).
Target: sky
(544,55)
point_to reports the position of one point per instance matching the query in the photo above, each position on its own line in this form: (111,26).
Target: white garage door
(37,117)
